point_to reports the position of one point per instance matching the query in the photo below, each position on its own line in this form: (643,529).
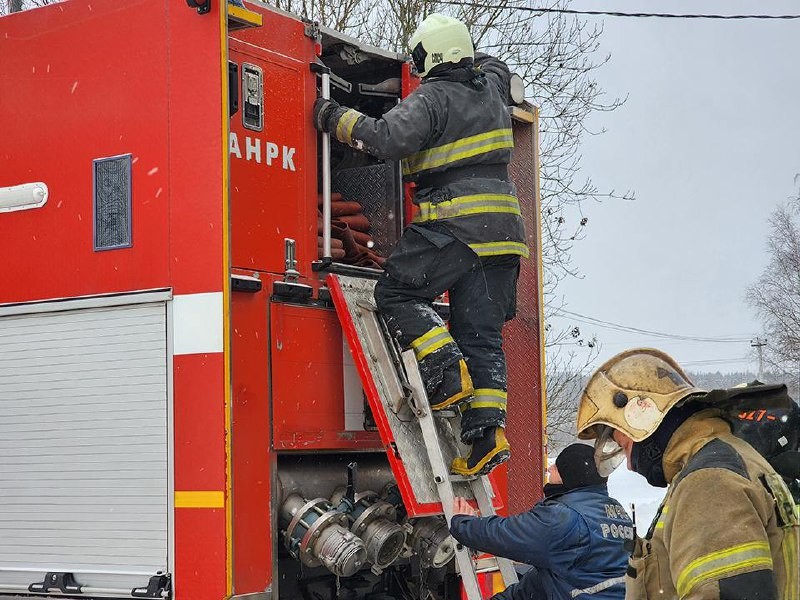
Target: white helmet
(440,39)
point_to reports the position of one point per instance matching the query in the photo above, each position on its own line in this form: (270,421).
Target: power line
(718,361)
(658,334)
(627,341)
(610,13)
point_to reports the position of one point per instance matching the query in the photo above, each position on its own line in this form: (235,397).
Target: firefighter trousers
(427,262)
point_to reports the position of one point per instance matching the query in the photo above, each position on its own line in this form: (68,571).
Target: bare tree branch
(776,294)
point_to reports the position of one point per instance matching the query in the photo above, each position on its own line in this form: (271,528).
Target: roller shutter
(84,447)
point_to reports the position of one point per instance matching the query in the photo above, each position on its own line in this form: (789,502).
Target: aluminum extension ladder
(481,488)
(420,456)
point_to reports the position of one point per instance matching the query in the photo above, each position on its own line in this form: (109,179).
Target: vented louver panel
(112,203)
(84,446)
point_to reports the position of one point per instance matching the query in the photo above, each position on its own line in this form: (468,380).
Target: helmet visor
(608,454)
(418,55)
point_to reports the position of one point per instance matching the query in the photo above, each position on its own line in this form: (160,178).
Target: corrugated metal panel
(83,441)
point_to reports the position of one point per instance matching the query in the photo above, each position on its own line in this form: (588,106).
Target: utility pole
(759,344)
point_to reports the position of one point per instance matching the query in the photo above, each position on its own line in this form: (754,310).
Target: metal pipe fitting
(375,522)
(317,534)
(430,540)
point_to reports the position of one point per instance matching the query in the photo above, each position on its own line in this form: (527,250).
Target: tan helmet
(632,392)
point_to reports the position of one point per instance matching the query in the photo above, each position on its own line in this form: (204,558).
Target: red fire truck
(175,383)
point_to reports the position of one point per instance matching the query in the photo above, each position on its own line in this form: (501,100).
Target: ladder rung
(446,413)
(486,564)
(367,305)
(463,478)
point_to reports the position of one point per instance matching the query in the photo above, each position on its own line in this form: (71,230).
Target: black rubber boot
(455,389)
(488,451)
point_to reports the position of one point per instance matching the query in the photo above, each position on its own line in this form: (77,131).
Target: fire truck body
(164,398)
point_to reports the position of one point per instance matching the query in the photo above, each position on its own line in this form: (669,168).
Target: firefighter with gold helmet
(728,527)
(454,136)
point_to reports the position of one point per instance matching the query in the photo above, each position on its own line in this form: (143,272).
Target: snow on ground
(631,488)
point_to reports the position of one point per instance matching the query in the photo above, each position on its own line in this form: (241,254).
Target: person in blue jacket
(574,538)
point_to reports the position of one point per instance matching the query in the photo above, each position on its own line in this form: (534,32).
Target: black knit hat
(577,468)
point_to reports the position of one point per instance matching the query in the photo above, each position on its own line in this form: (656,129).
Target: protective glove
(323,109)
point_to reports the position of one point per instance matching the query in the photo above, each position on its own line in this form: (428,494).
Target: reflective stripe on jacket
(575,540)
(445,125)
(463,151)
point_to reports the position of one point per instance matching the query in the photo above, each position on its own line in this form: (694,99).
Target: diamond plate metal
(394,397)
(522,337)
(377,189)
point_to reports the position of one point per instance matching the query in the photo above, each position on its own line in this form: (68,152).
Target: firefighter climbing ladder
(420,443)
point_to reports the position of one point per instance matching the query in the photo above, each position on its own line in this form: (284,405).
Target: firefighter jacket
(574,540)
(454,137)
(727,528)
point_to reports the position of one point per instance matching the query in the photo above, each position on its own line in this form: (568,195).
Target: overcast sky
(709,140)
